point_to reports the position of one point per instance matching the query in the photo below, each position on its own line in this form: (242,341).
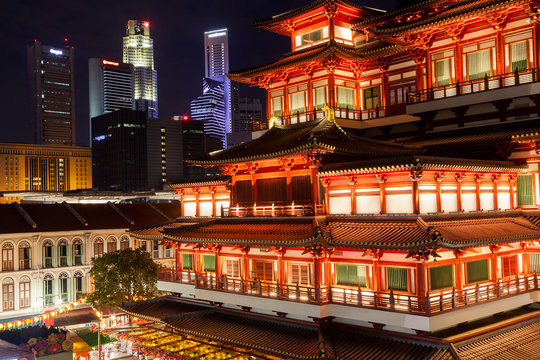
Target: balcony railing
(340,113)
(475,86)
(272,210)
(431,304)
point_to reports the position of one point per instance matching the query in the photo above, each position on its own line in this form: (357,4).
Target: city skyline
(176,30)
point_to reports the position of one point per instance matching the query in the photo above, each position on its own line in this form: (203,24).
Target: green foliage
(123,276)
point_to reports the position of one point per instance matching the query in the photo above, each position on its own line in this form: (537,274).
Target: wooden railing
(474,86)
(272,210)
(430,304)
(340,113)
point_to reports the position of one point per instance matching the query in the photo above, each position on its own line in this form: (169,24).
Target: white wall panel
(428,203)
(340,205)
(401,203)
(368,204)
(189,209)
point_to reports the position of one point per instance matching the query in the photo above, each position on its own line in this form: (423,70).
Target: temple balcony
(504,97)
(434,311)
(273,210)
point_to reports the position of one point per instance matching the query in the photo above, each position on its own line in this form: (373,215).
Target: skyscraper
(138,50)
(110,86)
(210,108)
(51,73)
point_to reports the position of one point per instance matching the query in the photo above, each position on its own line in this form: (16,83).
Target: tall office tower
(210,108)
(110,86)
(51,73)
(138,50)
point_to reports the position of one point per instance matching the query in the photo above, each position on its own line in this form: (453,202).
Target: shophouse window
(442,72)
(63,253)
(477,271)
(8,294)
(509,265)
(263,270)
(168,251)
(231,267)
(209,263)
(78,283)
(371,98)
(124,243)
(298,102)
(300,274)
(525,194)
(48,254)
(25,256)
(397,279)
(440,277)
(345,98)
(24,292)
(320,97)
(77,252)
(63,285)
(351,274)
(479,64)
(155,249)
(187,261)
(98,247)
(518,55)
(7,257)
(111,244)
(48,297)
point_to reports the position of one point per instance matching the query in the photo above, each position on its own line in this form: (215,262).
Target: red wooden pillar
(289,186)
(512,181)
(213,193)
(376,275)
(245,263)
(217,267)
(197,205)
(439,177)
(495,178)
(254,187)
(310,93)
(351,180)
(499,48)
(381,179)
(182,199)
(459,179)
(280,272)
(477,180)
(525,258)
(415,176)
(493,262)
(326,184)
(458,279)
(314,183)
(421,283)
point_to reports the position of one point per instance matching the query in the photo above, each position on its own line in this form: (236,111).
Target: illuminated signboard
(106,62)
(217,34)
(56,52)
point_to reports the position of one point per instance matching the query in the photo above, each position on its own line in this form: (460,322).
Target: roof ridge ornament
(272,122)
(329,113)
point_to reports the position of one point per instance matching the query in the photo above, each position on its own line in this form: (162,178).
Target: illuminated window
(345,97)
(479,64)
(298,102)
(351,274)
(311,37)
(371,98)
(518,55)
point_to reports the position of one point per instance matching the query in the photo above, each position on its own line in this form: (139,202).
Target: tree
(122,276)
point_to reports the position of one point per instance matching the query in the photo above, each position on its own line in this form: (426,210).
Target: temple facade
(395,183)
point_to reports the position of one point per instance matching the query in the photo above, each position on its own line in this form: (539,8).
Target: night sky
(95,29)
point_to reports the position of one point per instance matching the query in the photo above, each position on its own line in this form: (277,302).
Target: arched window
(7,257)
(48,250)
(8,294)
(63,252)
(98,247)
(124,242)
(48,292)
(111,244)
(25,255)
(77,252)
(78,284)
(24,292)
(63,286)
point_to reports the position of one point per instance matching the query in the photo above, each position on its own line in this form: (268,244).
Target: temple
(395,183)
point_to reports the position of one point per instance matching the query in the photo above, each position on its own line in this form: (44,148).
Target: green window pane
(534,263)
(479,64)
(345,97)
(440,277)
(371,97)
(349,274)
(320,97)
(518,51)
(477,271)
(442,68)
(187,261)
(209,263)
(276,106)
(397,279)
(298,104)
(525,190)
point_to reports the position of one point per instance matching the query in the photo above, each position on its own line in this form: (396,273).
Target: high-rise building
(138,50)
(216,62)
(110,86)
(210,108)
(51,76)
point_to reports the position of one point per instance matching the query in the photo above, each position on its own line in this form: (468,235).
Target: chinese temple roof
(386,232)
(278,23)
(313,137)
(521,341)
(315,54)
(444,15)
(153,232)
(286,338)
(420,162)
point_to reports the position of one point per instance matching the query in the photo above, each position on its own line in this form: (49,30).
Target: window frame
(365,97)
(25,288)
(445,287)
(8,294)
(298,267)
(358,283)
(407,271)
(467,280)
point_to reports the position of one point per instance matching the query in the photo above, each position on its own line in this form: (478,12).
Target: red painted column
(326,184)
(182,196)
(381,179)
(477,180)
(439,177)
(415,176)
(459,179)
(458,279)
(197,205)
(351,180)
(512,181)
(213,193)
(493,262)
(421,283)
(495,178)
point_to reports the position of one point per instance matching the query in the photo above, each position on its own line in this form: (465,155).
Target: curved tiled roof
(318,136)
